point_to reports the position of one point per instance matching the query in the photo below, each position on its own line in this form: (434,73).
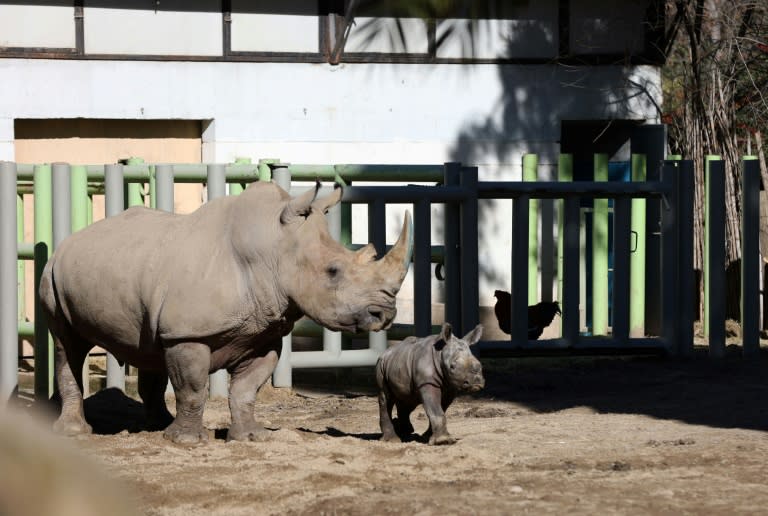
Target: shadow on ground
(727,393)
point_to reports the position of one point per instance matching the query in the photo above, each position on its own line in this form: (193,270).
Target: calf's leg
(188,365)
(437,432)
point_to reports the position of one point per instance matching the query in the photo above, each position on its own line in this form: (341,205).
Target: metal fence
(62,198)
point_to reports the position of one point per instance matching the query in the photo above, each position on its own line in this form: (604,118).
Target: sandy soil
(571,435)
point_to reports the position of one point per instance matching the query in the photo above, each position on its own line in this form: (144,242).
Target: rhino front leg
(188,365)
(246,379)
(152,386)
(438,430)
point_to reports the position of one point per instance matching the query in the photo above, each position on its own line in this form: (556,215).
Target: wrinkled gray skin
(182,296)
(431,371)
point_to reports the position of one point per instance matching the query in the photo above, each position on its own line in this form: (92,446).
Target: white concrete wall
(50,26)
(484,115)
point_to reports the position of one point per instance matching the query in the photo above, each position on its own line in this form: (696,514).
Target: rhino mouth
(372,318)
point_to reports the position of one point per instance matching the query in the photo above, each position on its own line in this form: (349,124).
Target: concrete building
(93,81)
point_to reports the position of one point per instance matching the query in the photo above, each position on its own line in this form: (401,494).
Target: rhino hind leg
(188,365)
(388,432)
(247,377)
(70,355)
(152,386)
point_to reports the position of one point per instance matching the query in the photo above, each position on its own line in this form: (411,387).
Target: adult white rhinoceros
(181,296)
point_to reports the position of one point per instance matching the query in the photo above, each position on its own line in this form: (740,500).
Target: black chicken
(540,315)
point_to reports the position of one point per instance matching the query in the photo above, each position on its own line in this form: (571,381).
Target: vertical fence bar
(570,272)
(422,303)
(687,279)
(237,188)
(670,238)
(265,172)
(452,257)
(564,173)
(600,253)
(622,210)
(377,234)
(43,192)
(134,195)
(218,382)
(62,207)
(470,309)
(715,257)
(9,360)
(21,276)
(78,183)
(637,258)
(164,187)
(520,288)
(62,203)
(705,273)
(750,257)
(531,173)
(283,374)
(332,340)
(114,191)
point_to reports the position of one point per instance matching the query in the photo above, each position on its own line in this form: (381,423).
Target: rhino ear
(474,336)
(365,254)
(446,332)
(299,206)
(329,201)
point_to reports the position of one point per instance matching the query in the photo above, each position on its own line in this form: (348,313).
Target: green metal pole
(265,173)
(237,188)
(79,196)
(133,192)
(43,191)
(152,188)
(564,173)
(637,257)
(531,173)
(600,252)
(20,264)
(705,275)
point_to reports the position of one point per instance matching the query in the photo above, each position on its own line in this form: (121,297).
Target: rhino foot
(186,436)
(442,439)
(159,421)
(253,432)
(390,438)
(71,426)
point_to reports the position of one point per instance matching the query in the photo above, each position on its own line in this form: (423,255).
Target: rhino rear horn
(398,259)
(300,206)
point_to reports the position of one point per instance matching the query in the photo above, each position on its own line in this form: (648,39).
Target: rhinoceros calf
(429,371)
(186,295)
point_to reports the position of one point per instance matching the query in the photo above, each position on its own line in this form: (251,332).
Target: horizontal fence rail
(62,204)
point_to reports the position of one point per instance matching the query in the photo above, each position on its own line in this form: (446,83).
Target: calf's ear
(446,332)
(474,336)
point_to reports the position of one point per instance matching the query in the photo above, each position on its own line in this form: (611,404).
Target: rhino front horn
(398,258)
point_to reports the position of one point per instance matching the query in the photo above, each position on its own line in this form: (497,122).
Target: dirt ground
(635,435)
